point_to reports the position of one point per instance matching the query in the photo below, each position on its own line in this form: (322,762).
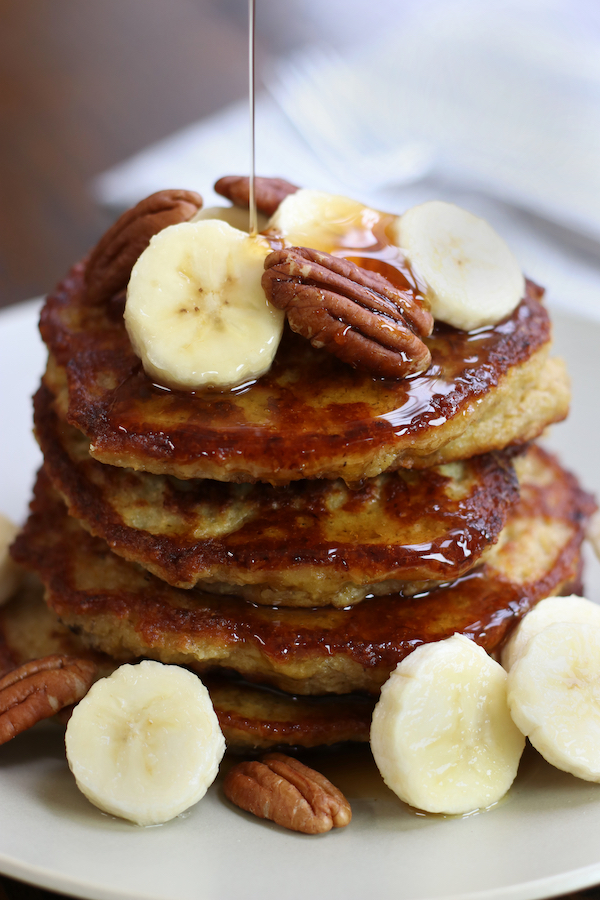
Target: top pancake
(310,416)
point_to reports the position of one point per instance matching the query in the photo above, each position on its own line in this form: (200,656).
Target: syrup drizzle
(253,223)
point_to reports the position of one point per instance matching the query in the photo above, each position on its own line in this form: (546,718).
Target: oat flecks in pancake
(310,416)
(252,718)
(310,543)
(122,610)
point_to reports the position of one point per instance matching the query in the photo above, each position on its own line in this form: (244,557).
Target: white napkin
(510,90)
(503,96)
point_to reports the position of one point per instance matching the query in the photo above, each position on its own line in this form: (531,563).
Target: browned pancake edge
(121,609)
(310,416)
(310,543)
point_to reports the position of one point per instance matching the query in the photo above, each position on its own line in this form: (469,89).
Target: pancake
(29,630)
(119,608)
(310,543)
(310,416)
(251,717)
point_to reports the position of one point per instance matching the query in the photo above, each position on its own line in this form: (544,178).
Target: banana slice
(10,572)
(593,533)
(548,612)
(442,735)
(196,312)
(554,696)
(233,215)
(145,743)
(323,221)
(471,276)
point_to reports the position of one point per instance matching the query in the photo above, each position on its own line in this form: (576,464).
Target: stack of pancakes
(293,539)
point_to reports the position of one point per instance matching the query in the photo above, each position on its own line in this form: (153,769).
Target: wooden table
(84,85)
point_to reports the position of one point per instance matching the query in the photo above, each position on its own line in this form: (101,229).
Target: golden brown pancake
(167,480)
(251,717)
(310,543)
(119,608)
(310,416)
(29,630)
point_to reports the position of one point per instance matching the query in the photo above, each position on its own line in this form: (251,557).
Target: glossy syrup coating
(310,543)
(252,717)
(311,415)
(121,609)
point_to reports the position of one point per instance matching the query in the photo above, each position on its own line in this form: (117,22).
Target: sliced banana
(323,221)
(233,215)
(471,275)
(145,743)
(554,696)
(10,573)
(442,735)
(196,312)
(548,612)
(593,533)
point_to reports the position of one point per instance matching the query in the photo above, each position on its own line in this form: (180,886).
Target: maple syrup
(298,649)
(253,223)
(309,416)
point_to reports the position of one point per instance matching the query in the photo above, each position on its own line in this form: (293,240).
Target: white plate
(541,840)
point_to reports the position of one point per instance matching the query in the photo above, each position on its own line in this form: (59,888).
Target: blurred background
(82,86)
(494,105)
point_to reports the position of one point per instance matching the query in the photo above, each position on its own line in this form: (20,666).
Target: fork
(338,111)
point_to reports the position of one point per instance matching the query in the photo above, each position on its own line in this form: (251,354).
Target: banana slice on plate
(554,696)
(145,743)
(323,221)
(442,736)
(548,612)
(10,572)
(472,278)
(196,313)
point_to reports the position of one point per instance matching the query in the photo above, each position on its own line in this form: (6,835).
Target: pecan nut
(110,263)
(287,792)
(39,689)
(268,192)
(354,313)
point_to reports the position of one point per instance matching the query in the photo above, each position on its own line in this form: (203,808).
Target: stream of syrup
(253,223)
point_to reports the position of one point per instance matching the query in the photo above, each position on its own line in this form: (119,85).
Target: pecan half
(287,792)
(268,192)
(39,689)
(354,313)
(110,263)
